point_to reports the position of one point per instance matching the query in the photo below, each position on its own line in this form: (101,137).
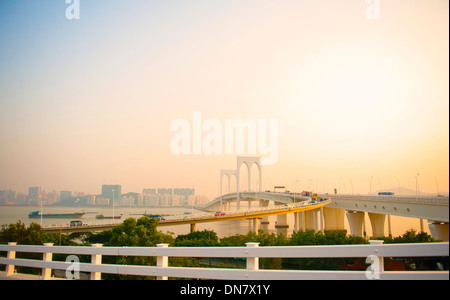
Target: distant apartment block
(8,197)
(112,192)
(33,195)
(150,197)
(64,195)
(130,199)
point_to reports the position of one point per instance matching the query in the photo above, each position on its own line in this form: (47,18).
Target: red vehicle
(219,213)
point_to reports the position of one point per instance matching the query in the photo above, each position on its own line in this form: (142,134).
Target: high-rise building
(64,195)
(149,191)
(102,201)
(8,197)
(130,199)
(184,195)
(34,194)
(52,197)
(165,191)
(90,200)
(112,192)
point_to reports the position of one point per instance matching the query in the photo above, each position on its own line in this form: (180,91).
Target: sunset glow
(361,104)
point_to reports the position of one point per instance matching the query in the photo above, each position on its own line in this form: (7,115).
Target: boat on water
(103,217)
(37,214)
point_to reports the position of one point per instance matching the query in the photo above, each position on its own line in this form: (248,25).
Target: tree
(205,238)
(264,239)
(327,238)
(308,238)
(132,233)
(410,236)
(14,233)
(31,235)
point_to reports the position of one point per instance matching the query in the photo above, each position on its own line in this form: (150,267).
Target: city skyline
(150,197)
(361,100)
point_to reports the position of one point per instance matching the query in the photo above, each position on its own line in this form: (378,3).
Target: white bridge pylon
(249,161)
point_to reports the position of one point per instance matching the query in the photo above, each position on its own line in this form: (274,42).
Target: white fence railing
(373,252)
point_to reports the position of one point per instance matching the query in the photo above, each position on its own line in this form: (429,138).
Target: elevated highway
(221,203)
(429,208)
(355,208)
(255,214)
(433,209)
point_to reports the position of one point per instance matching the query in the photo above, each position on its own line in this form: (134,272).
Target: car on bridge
(386,194)
(219,213)
(77,223)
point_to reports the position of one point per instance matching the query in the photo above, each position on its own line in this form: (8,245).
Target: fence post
(252,262)
(96,259)
(11,255)
(162,261)
(47,272)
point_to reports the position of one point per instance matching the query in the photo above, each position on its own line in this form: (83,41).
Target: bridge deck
(206,218)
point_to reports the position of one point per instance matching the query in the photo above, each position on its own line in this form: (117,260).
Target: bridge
(332,216)
(324,216)
(255,213)
(354,207)
(433,209)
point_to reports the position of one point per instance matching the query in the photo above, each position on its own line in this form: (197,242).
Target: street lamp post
(41,209)
(417,199)
(112,220)
(417,185)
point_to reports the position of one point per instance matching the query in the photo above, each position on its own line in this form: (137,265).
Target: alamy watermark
(73,10)
(213,136)
(375,268)
(373,9)
(73,270)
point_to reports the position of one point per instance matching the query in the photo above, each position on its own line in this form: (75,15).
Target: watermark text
(231,136)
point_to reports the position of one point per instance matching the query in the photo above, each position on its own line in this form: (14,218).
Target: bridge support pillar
(315,219)
(334,219)
(321,219)
(302,221)
(263,204)
(193,227)
(377,221)
(255,225)
(389,225)
(296,222)
(308,220)
(282,221)
(439,231)
(318,220)
(356,220)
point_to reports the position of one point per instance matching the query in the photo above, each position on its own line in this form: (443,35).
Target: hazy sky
(89,102)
